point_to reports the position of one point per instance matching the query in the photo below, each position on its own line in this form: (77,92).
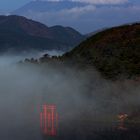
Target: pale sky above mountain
(95,1)
(85,19)
(14,4)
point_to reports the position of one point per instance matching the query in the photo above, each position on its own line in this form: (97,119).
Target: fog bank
(80,96)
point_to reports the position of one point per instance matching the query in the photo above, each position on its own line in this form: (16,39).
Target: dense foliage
(114,52)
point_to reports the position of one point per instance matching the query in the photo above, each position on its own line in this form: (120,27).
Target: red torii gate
(49,120)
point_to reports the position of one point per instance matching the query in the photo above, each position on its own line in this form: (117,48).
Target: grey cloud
(89,18)
(96,1)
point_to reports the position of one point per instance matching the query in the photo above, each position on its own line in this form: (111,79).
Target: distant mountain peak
(43,6)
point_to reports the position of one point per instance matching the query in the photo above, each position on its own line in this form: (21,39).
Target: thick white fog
(80,97)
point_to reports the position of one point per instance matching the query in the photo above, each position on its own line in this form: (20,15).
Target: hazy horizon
(55,79)
(85,19)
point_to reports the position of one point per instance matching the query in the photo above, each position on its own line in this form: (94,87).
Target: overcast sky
(84,19)
(14,4)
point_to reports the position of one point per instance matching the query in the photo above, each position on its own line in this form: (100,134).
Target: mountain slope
(114,52)
(20,33)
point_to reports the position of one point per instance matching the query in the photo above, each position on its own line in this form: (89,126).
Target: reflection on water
(122,118)
(94,133)
(71,129)
(82,116)
(86,129)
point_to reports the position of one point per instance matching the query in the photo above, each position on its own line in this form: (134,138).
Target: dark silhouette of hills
(19,33)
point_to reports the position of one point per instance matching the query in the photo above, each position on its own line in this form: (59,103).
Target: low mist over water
(82,98)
